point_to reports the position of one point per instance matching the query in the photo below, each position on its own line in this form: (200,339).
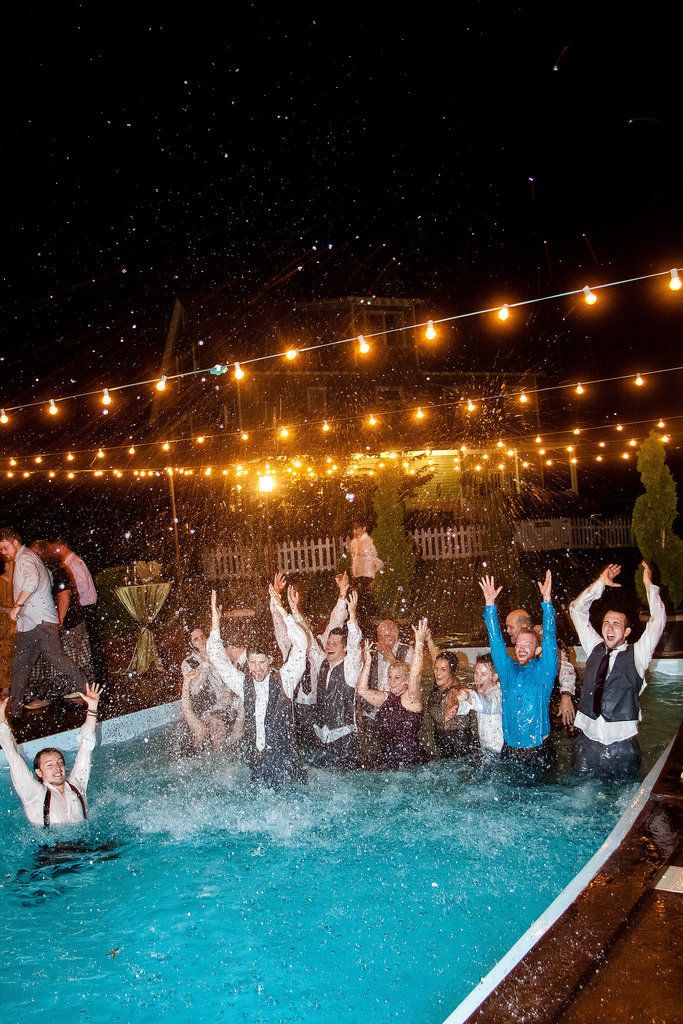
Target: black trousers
(341,755)
(618,759)
(535,758)
(43,639)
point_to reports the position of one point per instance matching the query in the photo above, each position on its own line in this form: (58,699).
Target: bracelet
(93,713)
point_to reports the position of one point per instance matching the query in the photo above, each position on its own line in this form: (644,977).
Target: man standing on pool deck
(269,740)
(49,797)
(526,683)
(609,711)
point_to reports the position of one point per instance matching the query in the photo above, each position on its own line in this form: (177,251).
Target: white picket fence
(321,555)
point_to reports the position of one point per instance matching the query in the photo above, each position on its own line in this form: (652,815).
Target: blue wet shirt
(526,689)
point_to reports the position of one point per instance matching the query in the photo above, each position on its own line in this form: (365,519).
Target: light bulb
(52,474)
(598,458)
(363,346)
(12,461)
(661,424)
(69,457)
(639,381)
(430,333)
(239,372)
(470,405)
(53,410)
(548,462)
(38,459)
(570,448)
(165,446)
(675,282)
(106,397)
(541,451)
(244,436)
(200,439)
(579,389)
(619,427)
(207,471)
(538,439)
(591,297)
(576,431)
(4,418)
(131,450)
(626,455)
(574,461)
(523,398)
(161,383)
(326,427)
(284,433)
(419,415)
(70,476)
(504,312)
(100,453)
(665,438)
(499,444)
(372,421)
(601,444)
(291,354)
(633,442)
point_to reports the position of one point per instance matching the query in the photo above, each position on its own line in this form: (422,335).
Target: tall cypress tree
(654,514)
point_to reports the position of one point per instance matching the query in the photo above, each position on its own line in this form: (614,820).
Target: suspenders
(48,800)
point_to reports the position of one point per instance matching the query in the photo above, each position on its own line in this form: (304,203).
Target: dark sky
(249,160)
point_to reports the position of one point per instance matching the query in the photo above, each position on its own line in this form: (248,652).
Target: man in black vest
(609,711)
(336,672)
(269,742)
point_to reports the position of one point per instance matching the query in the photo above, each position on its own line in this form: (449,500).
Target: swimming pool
(362,897)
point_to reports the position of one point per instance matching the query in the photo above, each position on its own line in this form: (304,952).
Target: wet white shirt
(364,558)
(87,595)
(32,577)
(598,729)
(64,809)
(489,708)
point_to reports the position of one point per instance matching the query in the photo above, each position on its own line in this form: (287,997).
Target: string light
(598,458)
(200,439)
(419,415)
(4,418)
(52,474)
(244,436)
(372,421)
(591,297)
(570,448)
(291,354)
(499,444)
(239,372)
(70,476)
(326,427)
(106,397)
(471,407)
(52,408)
(161,383)
(100,453)
(165,446)
(430,333)
(12,461)
(601,444)
(579,388)
(504,312)
(538,439)
(626,455)
(523,398)
(633,442)
(574,460)
(283,433)
(639,381)
(38,459)
(675,282)
(131,450)
(619,427)
(665,438)
(661,424)
(98,472)
(363,346)
(266,484)
(548,462)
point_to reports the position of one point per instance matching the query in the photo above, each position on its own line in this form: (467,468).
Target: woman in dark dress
(400,708)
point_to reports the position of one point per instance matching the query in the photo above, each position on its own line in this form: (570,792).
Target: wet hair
(340,631)
(529,631)
(451,659)
(46,750)
(7,533)
(618,611)
(42,549)
(483,659)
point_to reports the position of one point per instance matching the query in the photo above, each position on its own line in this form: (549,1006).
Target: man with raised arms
(49,796)
(609,710)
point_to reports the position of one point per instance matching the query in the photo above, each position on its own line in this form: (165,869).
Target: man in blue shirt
(526,683)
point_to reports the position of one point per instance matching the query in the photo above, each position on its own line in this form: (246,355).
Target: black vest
(280,742)
(402,652)
(622,686)
(335,706)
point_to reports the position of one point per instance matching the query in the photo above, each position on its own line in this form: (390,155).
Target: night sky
(247,163)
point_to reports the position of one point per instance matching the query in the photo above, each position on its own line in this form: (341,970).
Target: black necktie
(600,677)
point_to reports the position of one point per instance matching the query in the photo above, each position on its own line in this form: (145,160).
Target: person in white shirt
(49,796)
(336,670)
(35,614)
(266,693)
(487,701)
(609,710)
(365,564)
(87,596)
(214,716)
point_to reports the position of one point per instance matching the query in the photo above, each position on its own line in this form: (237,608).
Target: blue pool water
(366,897)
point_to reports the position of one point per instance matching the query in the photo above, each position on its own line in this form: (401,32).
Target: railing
(310,555)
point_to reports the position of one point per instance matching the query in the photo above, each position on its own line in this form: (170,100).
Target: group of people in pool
(338,701)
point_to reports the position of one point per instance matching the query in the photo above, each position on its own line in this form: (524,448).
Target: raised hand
(92,695)
(367,651)
(352,601)
(216,612)
(545,587)
(274,594)
(279,583)
(343,583)
(421,632)
(647,575)
(609,573)
(293,597)
(489,589)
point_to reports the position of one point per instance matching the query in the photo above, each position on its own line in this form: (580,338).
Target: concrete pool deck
(615,951)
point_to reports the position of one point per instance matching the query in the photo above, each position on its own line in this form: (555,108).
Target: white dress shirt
(233,677)
(352,665)
(208,675)
(364,558)
(87,595)
(31,576)
(489,708)
(64,809)
(598,729)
